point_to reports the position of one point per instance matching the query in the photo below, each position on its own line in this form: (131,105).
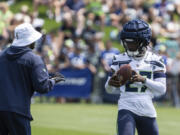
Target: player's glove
(115,81)
(57,77)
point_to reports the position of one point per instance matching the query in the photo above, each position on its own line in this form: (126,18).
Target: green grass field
(88,119)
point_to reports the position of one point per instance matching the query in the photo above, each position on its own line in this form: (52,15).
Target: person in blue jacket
(22,73)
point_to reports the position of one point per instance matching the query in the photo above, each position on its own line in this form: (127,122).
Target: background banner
(78,84)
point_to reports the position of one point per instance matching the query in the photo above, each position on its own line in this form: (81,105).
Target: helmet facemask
(134,48)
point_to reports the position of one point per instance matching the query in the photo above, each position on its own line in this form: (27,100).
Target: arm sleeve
(157,86)
(40,77)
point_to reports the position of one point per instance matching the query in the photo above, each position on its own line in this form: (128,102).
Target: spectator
(3,33)
(25,14)
(5,13)
(175,87)
(106,60)
(107,56)
(48,3)
(92,56)
(67,30)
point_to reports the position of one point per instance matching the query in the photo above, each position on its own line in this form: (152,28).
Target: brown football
(124,73)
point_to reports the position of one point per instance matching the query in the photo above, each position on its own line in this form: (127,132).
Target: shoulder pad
(119,60)
(121,57)
(156,61)
(153,56)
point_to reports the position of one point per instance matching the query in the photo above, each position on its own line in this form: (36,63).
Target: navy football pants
(14,124)
(128,121)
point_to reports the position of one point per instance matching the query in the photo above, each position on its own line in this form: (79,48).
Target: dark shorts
(14,124)
(127,122)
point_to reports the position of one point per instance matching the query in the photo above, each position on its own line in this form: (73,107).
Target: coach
(21,73)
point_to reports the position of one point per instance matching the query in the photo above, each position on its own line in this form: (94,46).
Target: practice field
(88,119)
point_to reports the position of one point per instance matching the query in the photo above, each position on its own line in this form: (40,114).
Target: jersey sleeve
(158,65)
(115,65)
(159,68)
(119,60)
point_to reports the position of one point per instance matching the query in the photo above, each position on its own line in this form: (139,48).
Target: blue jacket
(21,73)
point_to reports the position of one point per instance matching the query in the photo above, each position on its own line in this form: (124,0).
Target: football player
(136,109)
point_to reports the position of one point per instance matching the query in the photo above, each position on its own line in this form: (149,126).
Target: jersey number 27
(130,88)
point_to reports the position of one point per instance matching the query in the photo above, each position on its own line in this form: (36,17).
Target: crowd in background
(78,43)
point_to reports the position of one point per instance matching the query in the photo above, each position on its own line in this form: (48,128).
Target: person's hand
(57,77)
(115,81)
(137,78)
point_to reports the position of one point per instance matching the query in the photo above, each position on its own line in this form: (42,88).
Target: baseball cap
(25,35)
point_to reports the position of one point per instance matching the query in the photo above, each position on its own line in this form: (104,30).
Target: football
(124,73)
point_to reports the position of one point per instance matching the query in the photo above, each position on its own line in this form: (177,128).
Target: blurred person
(11,2)
(63,59)
(24,73)
(172,28)
(59,6)
(17,20)
(67,30)
(5,18)
(135,9)
(156,26)
(106,4)
(24,11)
(170,10)
(95,7)
(107,56)
(45,40)
(175,68)
(75,5)
(89,31)
(77,58)
(69,47)
(98,41)
(136,109)
(92,56)
(78,9)
(152,14)
(78,61)
(177,6)
(48,3)
(3,34)
(172,46)
(160,6)
(5,13)
(175,78)
(116,12)
(162,51)
(49,58)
